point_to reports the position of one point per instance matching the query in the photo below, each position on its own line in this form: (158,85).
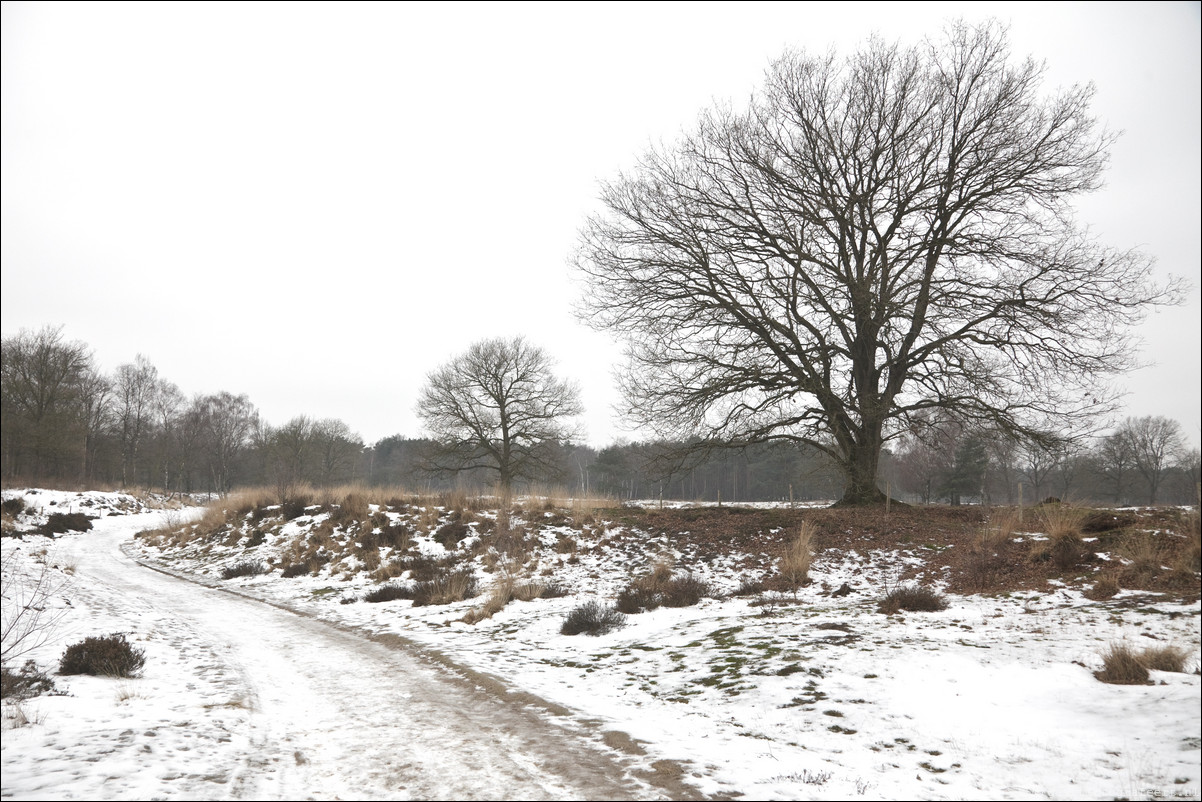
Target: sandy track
(315,711)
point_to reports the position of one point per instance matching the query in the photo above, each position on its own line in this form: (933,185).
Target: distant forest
(65,423)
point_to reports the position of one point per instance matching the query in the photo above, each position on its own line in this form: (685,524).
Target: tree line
(67,422)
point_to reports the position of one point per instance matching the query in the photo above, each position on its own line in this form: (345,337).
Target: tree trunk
(861,468)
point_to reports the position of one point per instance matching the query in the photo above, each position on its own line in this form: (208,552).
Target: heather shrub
(30,681)
(915,598)
(292,509)
(637,598)
(445,587)
(294,570)
(592,618)
(352,509)
(662,588)
(385,593)
(685,590)
(60,522)
(12,507)
(110,656)
(244,568)
(451,533)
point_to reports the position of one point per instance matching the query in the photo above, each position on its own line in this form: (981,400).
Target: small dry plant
(1062,524)
(915,598)
(798,557)
(1122,666)
(662,587)
(1164,658)
(592,618)
(1144,555)
(1104,587)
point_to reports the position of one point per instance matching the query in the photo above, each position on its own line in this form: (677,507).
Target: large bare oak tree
(873,238)
(498,406)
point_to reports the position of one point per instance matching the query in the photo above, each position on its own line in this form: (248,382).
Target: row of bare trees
(1144,460)
(65,421)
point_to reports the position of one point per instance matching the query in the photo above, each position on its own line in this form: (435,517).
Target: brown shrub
(1122,666)
(1104,587)
(916,598)
(110,656)
(1164,658)
(445,587)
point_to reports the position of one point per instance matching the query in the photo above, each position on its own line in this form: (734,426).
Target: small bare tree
(498,406)
(873,238)
(1155,444)
(28,616)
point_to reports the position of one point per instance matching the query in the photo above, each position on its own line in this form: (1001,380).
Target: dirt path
(328,713)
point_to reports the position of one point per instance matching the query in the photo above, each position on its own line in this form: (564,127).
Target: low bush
(110,656)
(13,507)
(451,533)
(395,535)
(592,618)
(915,598)
(294,570)
(445,587)
(685,591)
(386,593)
(661,588)
(244,568)
(27,683)
(60,522)
(1104,587)
(1164,658)
(292,509)
(750,586)
(1122,666)
(637,598)
(353,508)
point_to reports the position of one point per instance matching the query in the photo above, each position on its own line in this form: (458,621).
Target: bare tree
(40,375)
(95,402)
(874,237)
(1155,444)
(1115,464)
(30,613)
(498,407)
(135,387)
(287,450)
(227,423)
(336,449)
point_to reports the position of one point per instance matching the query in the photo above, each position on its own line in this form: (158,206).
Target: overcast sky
(316,205)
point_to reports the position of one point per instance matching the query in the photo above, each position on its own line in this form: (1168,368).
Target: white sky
(318,204)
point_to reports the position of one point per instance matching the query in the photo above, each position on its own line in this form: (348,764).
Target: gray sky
(316,205)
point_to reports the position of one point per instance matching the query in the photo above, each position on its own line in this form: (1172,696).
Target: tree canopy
(498,406)
(873,238)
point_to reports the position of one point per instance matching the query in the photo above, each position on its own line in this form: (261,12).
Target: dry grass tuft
(799,556)
(915,598)
(1122,666)
(445,587)
(1104,587)
(661,587)
(1164,658)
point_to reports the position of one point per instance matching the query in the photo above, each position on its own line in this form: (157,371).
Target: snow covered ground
(813,697)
